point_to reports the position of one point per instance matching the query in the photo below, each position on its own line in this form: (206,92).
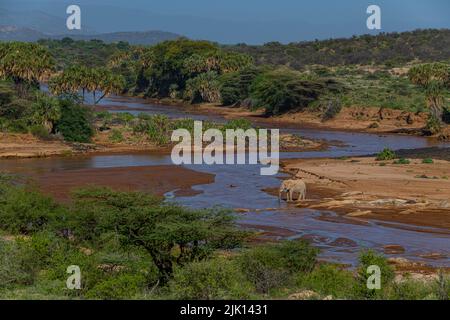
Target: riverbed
(242,187)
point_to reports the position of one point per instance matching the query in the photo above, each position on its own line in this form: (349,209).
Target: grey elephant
(293,186)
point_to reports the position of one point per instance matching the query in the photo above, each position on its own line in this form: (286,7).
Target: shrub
(75,123)
(332,109)
(121,286)
(428,161)
(281,91)
(402,161)
(116,136)
(433,125)
(371,258)
(411,290)
(235,87)
(269,267)
(40,132)
(230,92)
(26,211)
(209,280)
(158,129)
(328,279)
(15,268)
(236,124)
(386,154)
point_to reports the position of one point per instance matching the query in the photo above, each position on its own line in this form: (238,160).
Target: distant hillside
(8,33)
(14,33)
(391,49)
(39,21)
(135,38)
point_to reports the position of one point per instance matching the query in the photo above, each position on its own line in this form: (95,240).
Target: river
(240,186)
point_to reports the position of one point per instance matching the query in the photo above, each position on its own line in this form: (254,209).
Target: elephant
(291,187)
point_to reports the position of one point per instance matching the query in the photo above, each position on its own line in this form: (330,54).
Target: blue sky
(251,21)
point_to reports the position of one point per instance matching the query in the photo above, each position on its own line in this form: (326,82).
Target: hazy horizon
(250,21)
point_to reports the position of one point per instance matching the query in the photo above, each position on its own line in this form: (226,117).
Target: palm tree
(46,111)
(434,78)
(25,64)
(79,78)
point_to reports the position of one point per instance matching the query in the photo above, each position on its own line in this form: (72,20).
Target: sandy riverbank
(360,188)
(28,146)
(156,180)
(357,119)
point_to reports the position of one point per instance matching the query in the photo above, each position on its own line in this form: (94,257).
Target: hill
(134,38)
(386,48)
(16,33)
(9,33)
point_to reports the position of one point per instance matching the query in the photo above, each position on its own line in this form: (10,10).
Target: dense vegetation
(132,245)
(92,53)
(198,71)
(44,116)
(390,49)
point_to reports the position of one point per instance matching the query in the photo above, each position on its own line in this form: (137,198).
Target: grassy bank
(131,245)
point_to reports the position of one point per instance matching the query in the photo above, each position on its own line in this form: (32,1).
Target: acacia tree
(435,79)
(25,64)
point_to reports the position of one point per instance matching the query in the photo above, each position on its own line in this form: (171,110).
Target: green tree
(46,111)
(174,235)
(435,79)
(93,80)
(25,63)
(75,123)
(279,91)
(203,88)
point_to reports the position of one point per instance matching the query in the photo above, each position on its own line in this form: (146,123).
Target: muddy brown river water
(240,186)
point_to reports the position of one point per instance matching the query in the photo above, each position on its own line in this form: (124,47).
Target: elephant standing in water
(291,187)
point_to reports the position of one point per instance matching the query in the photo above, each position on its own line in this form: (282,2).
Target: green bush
(121,286)
(328,279)
(402,161)
(411,290)
(40,132)
(433,125)
(116,136)
(271,266)
(18,126)
(428,161)
(386,154)
(209,280)
(26,211)
(75,123)
(280,91)
(371,258)
(230,92)
(235,87)
(332,109)
(203,88)
(15,267)
(236,124)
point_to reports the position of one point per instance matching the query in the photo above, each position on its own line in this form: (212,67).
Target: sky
(237,21)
